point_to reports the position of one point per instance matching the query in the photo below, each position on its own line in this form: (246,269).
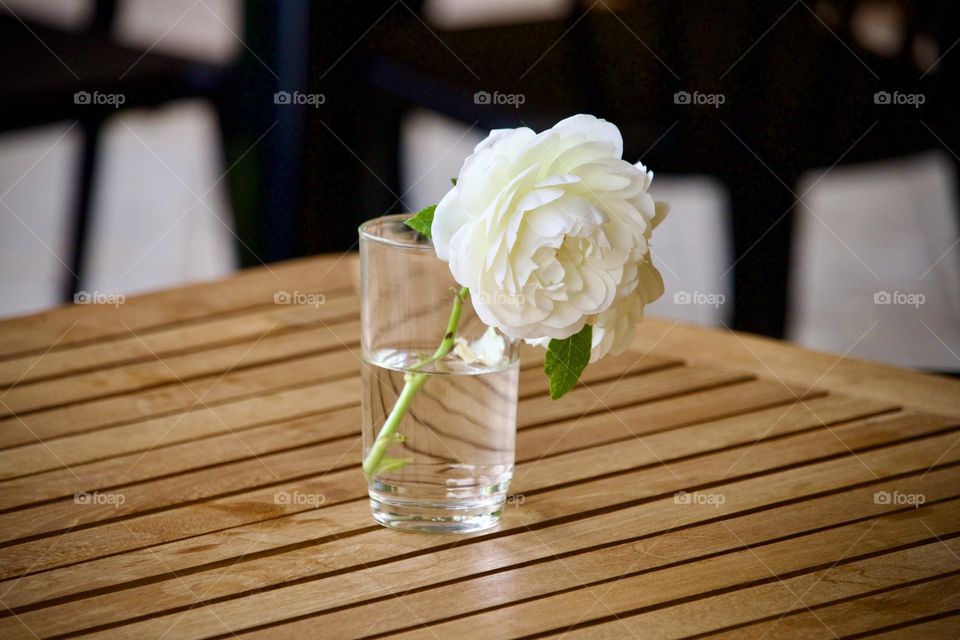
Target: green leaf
(422,220)
(566,360)
(453,181)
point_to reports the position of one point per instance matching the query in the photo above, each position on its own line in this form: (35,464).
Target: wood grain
(77,324)
(795,365)
(861,615)
(216,546)
(147,345)
(702,484)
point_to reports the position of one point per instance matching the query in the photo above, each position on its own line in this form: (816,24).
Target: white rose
(551,231)
(488,350)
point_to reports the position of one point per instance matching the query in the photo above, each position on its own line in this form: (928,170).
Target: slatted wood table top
(705,484)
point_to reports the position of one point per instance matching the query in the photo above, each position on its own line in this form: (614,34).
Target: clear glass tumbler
(449,461)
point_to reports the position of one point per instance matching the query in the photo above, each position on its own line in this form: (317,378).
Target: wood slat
(633,525)
(562,571)
(198,405)
(206,420)
(948,627)
(261,379)
(159,371)
(627,423)
(602,430)
(242,443)
(588,585)
(768,358)
(618,595)
(860,615)
(309,595)
(305,462)
(174,398)
(604,396)
(214,452)
(197,424)
(164,342)
(845,580)
(290,434)
(216,547)
(654,445)
(534,382)
(75,324)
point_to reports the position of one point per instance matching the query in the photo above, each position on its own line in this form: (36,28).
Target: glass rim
(365,231)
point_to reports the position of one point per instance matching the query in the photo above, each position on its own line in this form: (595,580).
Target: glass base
(458,515)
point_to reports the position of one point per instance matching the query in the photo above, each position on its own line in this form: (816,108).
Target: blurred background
(808,148)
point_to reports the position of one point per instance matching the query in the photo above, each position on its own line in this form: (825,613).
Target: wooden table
(705,483)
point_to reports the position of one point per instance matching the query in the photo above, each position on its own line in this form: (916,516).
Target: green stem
(413,383)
